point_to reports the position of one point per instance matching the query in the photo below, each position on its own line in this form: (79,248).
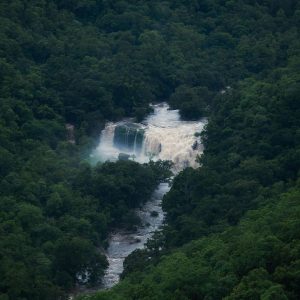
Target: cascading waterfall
(161,136)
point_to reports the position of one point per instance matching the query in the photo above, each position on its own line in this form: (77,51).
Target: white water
(166,137)
(121,244)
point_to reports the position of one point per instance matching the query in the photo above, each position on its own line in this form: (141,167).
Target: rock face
(129,136)
(195,145)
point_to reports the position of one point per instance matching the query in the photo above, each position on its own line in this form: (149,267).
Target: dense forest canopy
(232,226)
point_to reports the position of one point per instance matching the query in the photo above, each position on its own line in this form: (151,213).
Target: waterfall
(162,135)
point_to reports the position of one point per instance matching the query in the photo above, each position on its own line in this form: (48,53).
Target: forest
(232,225)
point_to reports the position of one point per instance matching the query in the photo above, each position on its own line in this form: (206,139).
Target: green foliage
(231,225)
(249,261)
(56,213)
(84,62)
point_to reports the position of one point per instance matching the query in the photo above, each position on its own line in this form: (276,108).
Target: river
(121,244)
(162,135)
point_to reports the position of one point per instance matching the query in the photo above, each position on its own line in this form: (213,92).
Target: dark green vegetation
(233,225)
(56,213)
(55,210)
(232,229)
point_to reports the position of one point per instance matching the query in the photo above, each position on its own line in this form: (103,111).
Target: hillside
(232,225)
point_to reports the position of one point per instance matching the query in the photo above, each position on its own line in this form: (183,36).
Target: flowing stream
(121,244)
(161,136)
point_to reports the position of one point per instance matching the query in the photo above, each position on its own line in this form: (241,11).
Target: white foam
(166,137)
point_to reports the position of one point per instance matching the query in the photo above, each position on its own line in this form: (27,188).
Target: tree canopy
(231,225)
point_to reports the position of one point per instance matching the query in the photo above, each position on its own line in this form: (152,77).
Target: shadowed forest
(232,225)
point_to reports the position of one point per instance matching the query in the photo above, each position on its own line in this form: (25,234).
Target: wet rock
(135,241)
(154,214)
(159,148)
(128,136)
(195,145)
